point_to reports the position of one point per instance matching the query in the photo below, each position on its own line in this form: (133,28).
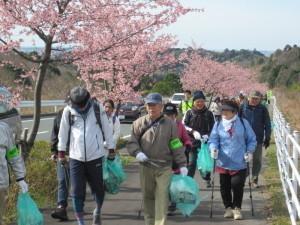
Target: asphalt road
(46,124)
(122,208)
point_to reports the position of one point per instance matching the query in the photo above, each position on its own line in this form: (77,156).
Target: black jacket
(259,119)
(55,131)
(200,120)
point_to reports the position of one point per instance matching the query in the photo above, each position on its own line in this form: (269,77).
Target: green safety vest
(269,94)
(186,105)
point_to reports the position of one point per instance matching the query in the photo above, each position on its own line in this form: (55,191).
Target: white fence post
(288,150)
(294,179)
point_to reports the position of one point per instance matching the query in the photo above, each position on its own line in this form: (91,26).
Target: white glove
(248,157)
(141,157)
(184,171)
(197,135)
(214,153)
(104,144)
(23,185)
(188,129)
(205,138)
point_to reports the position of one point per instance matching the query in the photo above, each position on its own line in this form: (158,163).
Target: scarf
(227,124)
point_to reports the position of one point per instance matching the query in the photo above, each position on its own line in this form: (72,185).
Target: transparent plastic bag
(28,212)
(184,191)
(113,175)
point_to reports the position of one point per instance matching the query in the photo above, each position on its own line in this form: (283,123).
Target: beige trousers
(155,189)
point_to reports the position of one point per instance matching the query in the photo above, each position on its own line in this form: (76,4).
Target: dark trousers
(82,172)
(192,165)
(63,179)
(232,188)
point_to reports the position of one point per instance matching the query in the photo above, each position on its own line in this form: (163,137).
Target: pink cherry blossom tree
(110,41)
(224,79)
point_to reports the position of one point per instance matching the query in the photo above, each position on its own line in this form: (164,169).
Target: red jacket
(183,135)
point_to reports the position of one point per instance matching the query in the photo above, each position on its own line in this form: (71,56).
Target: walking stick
(141,209)
(250,189)
(212,189)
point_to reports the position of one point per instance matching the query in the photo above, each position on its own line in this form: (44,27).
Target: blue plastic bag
(113,175)
(28,212)
(204,161)
(184,191)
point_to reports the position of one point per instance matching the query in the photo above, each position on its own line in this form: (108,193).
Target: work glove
(248,157)
(111,154)
(61,157)
(54,157)
(184,171)
(23,186)
(204,138)
(141,157)
(214,153)
(197,135)
(267,143)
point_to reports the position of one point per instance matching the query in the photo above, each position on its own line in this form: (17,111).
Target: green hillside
(282,69)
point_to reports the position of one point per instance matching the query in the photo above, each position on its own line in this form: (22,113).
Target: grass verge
(277,209)
(41,177)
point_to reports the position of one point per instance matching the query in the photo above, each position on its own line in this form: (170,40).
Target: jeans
(82,172)
(232,188)
(63,178)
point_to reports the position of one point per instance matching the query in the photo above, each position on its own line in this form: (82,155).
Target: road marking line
(43,132)
(27,121)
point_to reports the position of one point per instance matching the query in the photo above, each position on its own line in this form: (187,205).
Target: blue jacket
(232,149)
(259,119)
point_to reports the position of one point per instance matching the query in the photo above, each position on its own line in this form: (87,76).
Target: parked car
(130,111)
(177,98)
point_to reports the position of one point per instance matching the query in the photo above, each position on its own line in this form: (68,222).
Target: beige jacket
(155,142)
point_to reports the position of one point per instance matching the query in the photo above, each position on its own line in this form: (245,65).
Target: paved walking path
(121,209)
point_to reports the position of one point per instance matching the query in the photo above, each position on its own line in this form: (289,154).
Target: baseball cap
(154,98)
(170,109)
(255,94)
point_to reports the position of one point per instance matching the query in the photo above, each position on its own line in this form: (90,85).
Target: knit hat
(170,109)
(198,95)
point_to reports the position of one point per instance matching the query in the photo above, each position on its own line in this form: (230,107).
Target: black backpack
(97,112)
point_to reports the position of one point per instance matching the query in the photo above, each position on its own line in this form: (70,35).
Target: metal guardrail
(45,103)
(288,151)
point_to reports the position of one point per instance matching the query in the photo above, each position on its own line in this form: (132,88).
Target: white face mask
(227,124)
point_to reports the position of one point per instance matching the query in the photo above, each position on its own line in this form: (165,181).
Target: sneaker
(208,184)
(96,219)
(237,214)
(171,209)
(60,213)
(228,213)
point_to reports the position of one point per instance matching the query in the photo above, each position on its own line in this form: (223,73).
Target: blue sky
(237,24)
